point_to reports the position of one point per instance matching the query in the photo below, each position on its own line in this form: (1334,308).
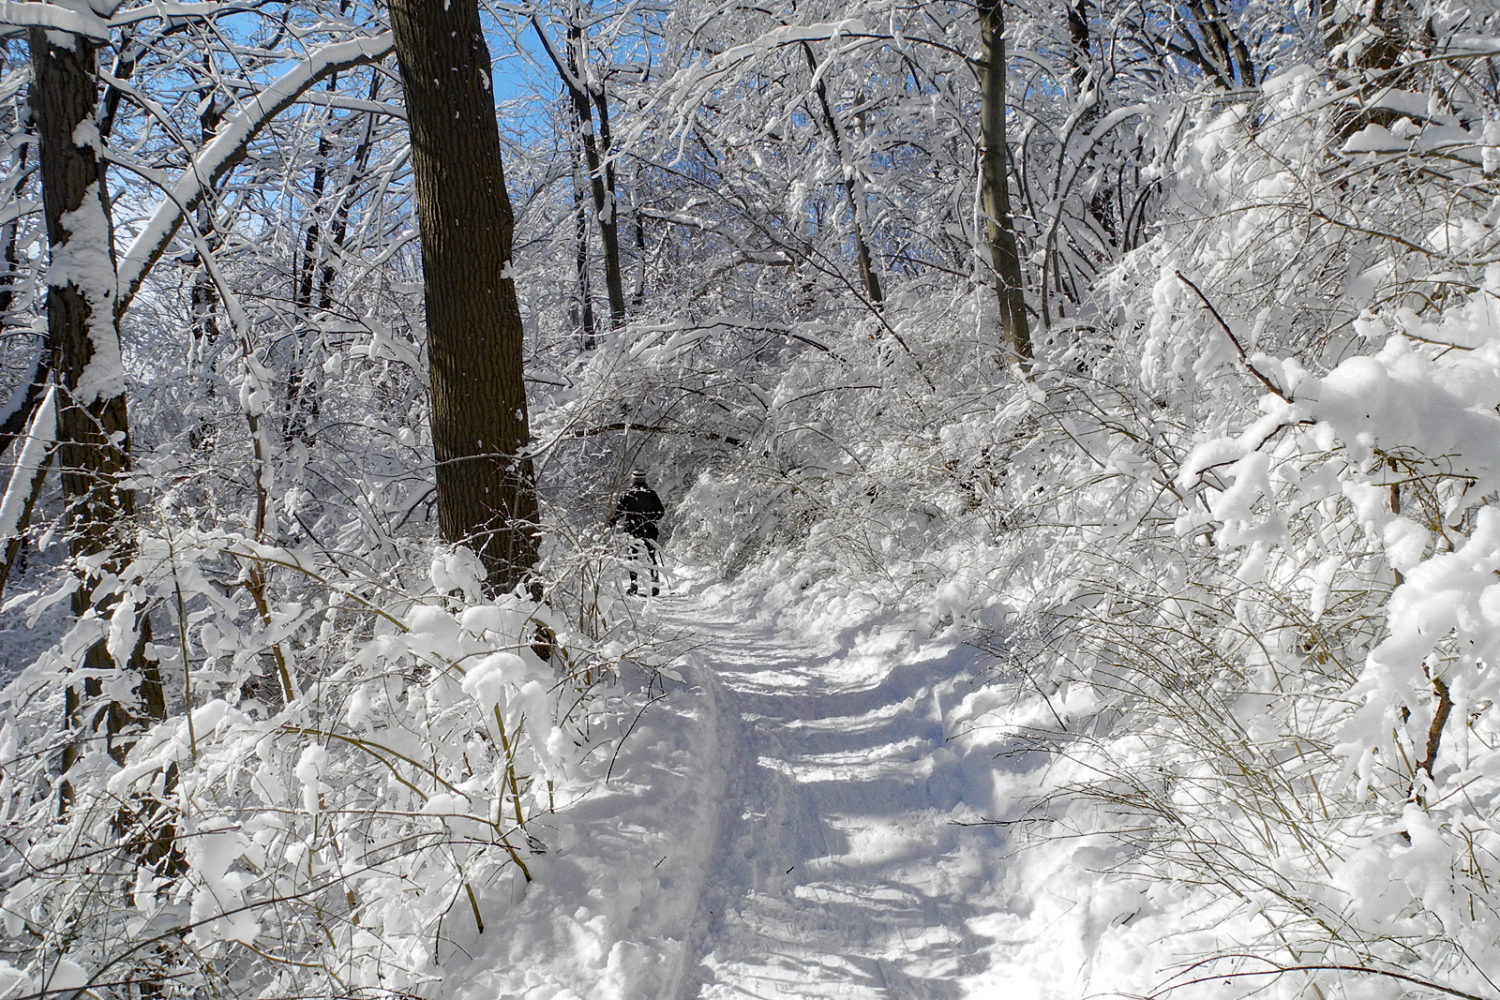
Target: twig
(1283,969)
(654,429)
(182,643)
(1434,735)
(367,605)
(1000,822)
(1232,338)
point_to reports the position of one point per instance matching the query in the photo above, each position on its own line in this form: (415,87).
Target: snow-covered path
(790,820)
(839,870)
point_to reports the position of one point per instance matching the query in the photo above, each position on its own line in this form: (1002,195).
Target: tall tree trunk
(583,317)
(351,193)
(1102,202)
(203,300)
(852,197)
(485,485)
(606,197)
(999,226)
(302,404)
(638,297)
(600,169)
(17,411)
(84,343)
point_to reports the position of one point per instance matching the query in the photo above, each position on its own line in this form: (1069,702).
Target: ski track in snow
(838,870)
(785,823)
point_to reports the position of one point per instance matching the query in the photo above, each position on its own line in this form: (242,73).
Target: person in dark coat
(637,513)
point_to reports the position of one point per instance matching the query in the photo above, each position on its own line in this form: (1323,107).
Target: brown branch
(15,424)
(1283,969)
(626,425)
(16,545)
(1239,348)
(1435,731)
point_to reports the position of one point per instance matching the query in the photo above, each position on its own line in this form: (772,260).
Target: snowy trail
(789,820)
(839,870)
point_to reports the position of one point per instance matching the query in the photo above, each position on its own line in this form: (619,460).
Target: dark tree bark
(1374,40)
(867,274)
(204,295)
(13,422)
(999,226)
(583,316)
(1223,53)
(13,419)
(638,297)
(485,488)
(302,404)
(352,187)
(319,270)
(1078,40)
(1102,203)
(84,345)
(17,410)
(596,159)
(606,195)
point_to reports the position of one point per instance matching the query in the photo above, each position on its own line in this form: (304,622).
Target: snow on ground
(840,871)
(610,913)
(792,819)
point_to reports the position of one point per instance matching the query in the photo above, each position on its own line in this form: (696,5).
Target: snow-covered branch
(17,15)
(216,159)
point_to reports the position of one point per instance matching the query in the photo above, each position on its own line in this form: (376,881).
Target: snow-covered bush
(1263,637)
(335,804)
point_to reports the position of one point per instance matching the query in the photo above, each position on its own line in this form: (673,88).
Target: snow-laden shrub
(345,775)
(1262,635)
(1401,445)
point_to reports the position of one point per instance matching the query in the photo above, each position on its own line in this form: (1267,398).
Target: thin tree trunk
(15,547)
(600,175)
(584,318)
(999,226)
(13,422)
(1102,203)
(204,295)
(867,273)
(84,343)
(340,228)
(601,172)
(33,459)
(302,400)
(303,404)
(1078,39)
(638,298)
(1231,59)
(614,275)
(14,419)
(486,495)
